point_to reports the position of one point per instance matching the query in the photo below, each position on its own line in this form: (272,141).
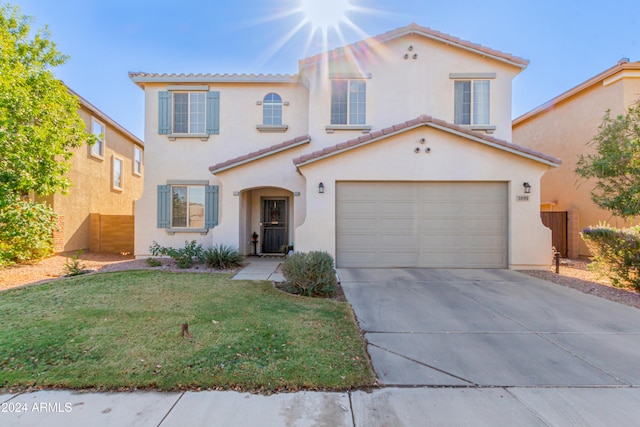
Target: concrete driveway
(491,328)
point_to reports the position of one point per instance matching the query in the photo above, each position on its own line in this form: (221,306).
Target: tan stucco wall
(564,131)
(91,190)
(402,89)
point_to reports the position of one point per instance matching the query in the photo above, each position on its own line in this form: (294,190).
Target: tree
(39,125)
(616,164)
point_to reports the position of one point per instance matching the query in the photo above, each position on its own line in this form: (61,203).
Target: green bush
(184,257)
(152,262)
(222,257)
(26,231)
(616,253)
(310,274)
(73,266)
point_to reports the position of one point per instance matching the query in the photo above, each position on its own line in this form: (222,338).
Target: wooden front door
(274,225)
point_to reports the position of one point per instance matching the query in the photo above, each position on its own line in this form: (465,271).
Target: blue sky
(567,42)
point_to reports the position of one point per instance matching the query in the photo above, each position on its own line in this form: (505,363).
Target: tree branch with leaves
(615,165)
(39,127)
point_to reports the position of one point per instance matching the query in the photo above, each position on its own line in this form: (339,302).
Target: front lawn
(123,330)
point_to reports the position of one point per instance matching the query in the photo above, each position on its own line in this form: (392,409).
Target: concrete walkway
(261,269)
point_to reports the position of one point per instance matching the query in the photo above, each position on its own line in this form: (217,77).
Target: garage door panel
(426,224)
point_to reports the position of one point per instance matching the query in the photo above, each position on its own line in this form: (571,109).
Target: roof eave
(576,90)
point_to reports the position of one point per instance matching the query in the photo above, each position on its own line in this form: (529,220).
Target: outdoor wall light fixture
(321,188)
(527,188)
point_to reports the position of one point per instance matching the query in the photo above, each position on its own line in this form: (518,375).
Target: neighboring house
(392,151)
(106,179)
(563,127)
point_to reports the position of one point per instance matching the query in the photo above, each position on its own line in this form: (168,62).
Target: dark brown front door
(274,225)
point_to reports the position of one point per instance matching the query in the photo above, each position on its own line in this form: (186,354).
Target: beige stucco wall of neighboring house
(452,159)
(91,177)
(401,89)
(564,130)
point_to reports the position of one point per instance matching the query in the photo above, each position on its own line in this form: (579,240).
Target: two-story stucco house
(106,178)
(392,151)
(563,127)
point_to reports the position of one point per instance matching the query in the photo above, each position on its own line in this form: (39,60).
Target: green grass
(122,330)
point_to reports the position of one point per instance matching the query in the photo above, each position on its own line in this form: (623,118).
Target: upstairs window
(348,102)
(117,168)
(137,161)
(183,113)
(272,110)
(188,112)
(98,129)
(472,102)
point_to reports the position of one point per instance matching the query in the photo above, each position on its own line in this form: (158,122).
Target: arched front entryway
(266,220)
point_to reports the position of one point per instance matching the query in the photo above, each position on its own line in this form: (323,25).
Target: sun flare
(325,14)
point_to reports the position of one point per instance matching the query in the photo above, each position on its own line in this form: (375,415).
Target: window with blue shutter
(187,207)
(164,113)
(211,206)
(213,113)
(184,113)
(164,206)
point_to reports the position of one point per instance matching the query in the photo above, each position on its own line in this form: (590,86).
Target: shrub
(183,256)
(616,253)
(152,262)
(222,257)
(73,266)
(26,231)
(310,274)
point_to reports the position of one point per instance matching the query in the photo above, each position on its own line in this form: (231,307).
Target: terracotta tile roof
(265,152)
(425,120)
(425,32)
(622,65)
(140,78)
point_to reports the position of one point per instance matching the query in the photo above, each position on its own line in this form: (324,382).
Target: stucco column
(573,233)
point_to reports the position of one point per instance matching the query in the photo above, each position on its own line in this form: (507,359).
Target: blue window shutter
(164,206)
(164,113)
(211,206)
(213,113)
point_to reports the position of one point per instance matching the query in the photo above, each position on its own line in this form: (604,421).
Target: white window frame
(472,79)
(188,208)
(118,186)
(202,122)
(137,160)
(97,149)
(349,101)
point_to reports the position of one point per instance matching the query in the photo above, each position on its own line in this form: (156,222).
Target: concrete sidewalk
(499,406)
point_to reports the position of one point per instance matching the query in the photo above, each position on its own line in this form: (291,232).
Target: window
(187,206)
(272,110)
(137,161)
(117,173)
(98,129)
(348,102)
(472,102)
(187,113)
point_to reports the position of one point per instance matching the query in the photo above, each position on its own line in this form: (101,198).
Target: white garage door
(421,224)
